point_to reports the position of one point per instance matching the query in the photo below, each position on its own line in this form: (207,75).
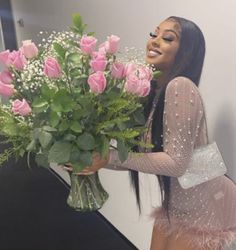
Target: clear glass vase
(86,193)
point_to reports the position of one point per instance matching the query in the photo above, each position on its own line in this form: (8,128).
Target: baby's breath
(132,54)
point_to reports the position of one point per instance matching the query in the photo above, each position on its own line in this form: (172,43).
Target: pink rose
(14,58)
(17,59)
(145,73)
(99,62)
(118,70)
(6,77)
(21,107)
(52,69)
(113,44)
(29,49)
(130,68)
(137,86)
(88,44)
(131,84)
(144,88)
(97,82)
(103,48)
(6,89)
(4,55)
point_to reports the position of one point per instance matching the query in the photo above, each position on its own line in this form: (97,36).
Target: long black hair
(188,63)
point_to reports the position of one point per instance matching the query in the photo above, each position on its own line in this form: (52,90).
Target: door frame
(8,26)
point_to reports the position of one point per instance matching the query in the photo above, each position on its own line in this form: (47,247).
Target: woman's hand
(97,163)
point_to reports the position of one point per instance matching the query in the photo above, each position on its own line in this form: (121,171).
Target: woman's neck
(162,80)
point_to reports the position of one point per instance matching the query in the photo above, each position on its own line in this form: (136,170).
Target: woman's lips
(153,53)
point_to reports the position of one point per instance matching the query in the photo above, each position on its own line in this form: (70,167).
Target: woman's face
(163,45)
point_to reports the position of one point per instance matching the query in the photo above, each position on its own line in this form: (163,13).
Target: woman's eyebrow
(169,30)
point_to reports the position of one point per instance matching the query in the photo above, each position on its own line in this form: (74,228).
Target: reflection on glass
(2,45)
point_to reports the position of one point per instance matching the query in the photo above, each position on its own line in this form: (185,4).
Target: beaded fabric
(206,212)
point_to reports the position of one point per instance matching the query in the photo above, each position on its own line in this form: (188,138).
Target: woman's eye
(168,39)
(153,35)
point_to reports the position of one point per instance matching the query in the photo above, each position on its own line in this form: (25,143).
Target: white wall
(133,20)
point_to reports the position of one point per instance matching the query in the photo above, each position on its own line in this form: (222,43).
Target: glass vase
(86,193)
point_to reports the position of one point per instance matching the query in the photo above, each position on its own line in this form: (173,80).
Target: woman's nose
(155,42)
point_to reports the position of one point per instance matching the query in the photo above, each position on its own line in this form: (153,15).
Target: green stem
(14,117)
(58,86)
(80,195)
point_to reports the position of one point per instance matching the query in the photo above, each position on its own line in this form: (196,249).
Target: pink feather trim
(200,237)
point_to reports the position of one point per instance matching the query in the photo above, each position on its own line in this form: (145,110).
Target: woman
(204,216)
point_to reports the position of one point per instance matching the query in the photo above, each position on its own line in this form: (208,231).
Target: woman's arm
(182,116)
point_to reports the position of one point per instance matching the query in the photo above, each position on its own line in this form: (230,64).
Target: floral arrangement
(69,99)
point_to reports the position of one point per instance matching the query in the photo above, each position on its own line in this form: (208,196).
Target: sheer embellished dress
(206,212)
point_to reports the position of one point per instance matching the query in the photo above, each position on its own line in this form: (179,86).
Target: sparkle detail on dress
(205,212)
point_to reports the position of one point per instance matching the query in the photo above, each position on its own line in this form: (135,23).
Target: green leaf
(156,74)
(39,102)
(108,125)
(122,150)
(77,166)
(105,147)
(62,102)
(69,137)
(86,141)
(42,160)
(121,126)
(49,129)
(75,155)
(60,50)
(54,119)
(64,125)
(36,133)
(118,104)
(22,152)
(39,105)
(76,30)
(86,158)
(76,127)
(139,117)
(45,138)
(47,93)
(79,26)
(74,58)
(91,33)
(79,81)
(31,146)
(60,152)
(125,134)
(75,72)
(77,21)
(79,113)
(85,101)
(10,129)
(141,143)
(56,107)
(80,159)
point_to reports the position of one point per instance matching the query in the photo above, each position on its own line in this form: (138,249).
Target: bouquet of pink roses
(69,99)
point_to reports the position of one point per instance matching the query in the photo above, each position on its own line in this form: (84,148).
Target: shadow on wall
(225,134)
